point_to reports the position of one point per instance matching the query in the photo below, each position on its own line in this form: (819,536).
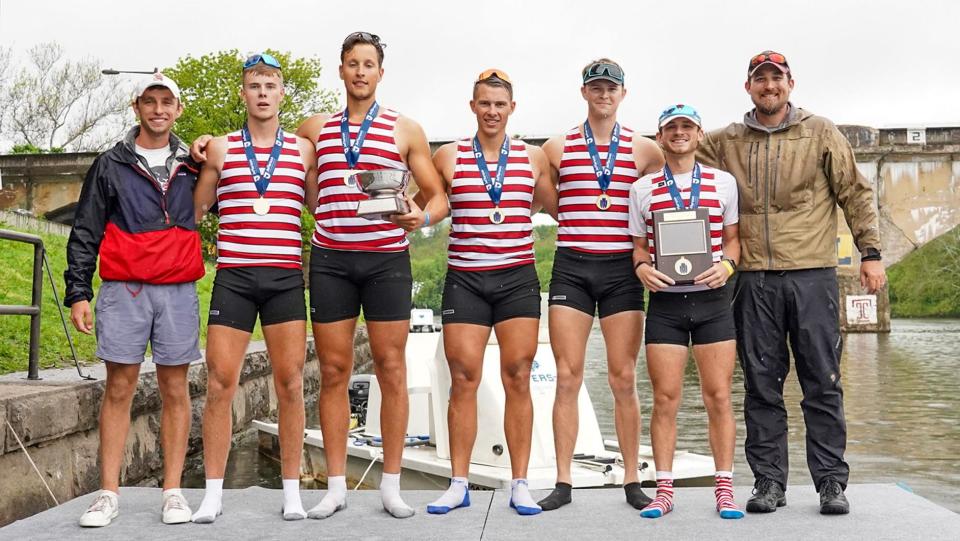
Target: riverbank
(926,283)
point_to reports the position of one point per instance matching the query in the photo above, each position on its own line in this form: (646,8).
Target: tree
(210,91)
(57,103)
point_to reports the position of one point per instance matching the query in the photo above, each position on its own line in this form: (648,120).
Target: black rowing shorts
(491,296)
(595,283)
(703,317)
(342,282)
(242,293)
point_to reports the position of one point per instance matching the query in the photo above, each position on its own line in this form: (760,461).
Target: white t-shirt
(642,189)
(156,159)
(641,195)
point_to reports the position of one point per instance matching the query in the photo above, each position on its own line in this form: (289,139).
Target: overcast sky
(879,63)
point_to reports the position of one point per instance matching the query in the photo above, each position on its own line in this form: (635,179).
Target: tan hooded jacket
(791,179)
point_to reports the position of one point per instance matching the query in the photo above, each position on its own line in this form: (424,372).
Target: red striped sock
(663,502)
(724,493)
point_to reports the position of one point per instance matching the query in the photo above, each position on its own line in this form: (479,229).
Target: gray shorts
(130,314)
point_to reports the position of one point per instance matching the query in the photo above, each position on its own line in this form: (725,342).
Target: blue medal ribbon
(261,179)
(494,186)
(604,174)
(352,151)
(675,192)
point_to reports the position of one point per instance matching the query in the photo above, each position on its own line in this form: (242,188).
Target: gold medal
(496,216)
(261,207)
(603,201)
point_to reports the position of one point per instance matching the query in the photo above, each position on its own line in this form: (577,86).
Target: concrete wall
(57,421)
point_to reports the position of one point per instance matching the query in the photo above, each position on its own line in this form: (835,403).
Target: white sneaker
(104,509)
(176,510)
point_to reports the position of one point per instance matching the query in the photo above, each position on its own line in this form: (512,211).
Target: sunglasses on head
(493,72)
(768,56)
(267,59)
(363,37)
(603,69)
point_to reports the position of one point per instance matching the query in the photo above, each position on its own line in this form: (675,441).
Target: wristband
(426,218)
(728,264)
(637,266)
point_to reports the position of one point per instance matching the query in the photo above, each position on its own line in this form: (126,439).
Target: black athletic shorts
(491,296)
(341,282)
(703,317)
(592,283)
(241,293)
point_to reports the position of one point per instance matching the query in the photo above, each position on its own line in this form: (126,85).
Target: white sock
(212,504)
(292,506)
(334,500)
(453,497)
(520,494)
(390,496)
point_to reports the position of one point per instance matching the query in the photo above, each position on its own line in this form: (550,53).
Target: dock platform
(879,511)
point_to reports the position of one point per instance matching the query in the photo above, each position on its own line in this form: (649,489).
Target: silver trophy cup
(385,188)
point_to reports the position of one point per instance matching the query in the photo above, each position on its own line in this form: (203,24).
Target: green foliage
(926,283)
(28,148)
(428,262)
(16,270)
(544,248)
(210,90)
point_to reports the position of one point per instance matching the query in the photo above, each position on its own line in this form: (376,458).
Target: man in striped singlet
(357,262)
(494,184)
(259,177)
(593,166)
(699,312)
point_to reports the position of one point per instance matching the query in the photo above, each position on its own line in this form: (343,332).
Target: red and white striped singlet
(583,226)
(338,226)
(660,200)
(476,243)
(246,239)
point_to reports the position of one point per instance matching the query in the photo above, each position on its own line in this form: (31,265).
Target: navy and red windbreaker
(140,233)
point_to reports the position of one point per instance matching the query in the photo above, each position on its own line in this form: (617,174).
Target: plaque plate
(682,245)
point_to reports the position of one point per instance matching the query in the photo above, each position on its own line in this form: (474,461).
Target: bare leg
(715,363)
(115,420)
(225,349)
(335,352)
(174,421)
(665,363)
(388,342)
(621,334)
(518,345)
(464,346)
(569,330)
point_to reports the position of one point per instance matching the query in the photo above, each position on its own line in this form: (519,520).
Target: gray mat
(878,512)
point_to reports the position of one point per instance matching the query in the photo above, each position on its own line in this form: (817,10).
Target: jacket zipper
(163,194)
(766,204)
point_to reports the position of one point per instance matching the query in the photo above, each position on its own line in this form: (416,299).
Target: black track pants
(772,309)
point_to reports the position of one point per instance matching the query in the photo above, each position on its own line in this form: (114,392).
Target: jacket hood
(794,116)
(125,150)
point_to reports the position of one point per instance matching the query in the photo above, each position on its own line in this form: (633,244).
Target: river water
(902,399)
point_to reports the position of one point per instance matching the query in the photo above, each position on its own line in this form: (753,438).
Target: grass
(16,269)
(926,283)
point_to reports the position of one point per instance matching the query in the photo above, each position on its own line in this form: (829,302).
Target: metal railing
(39,261)
(33,368)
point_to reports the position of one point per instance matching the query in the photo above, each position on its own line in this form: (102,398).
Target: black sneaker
(832,500)
(767,496)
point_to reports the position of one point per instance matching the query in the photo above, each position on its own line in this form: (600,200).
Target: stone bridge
(916,172)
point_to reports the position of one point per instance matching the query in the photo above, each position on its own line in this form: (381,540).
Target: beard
(768,108)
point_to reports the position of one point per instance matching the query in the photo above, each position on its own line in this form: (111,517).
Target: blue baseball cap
(679,111)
